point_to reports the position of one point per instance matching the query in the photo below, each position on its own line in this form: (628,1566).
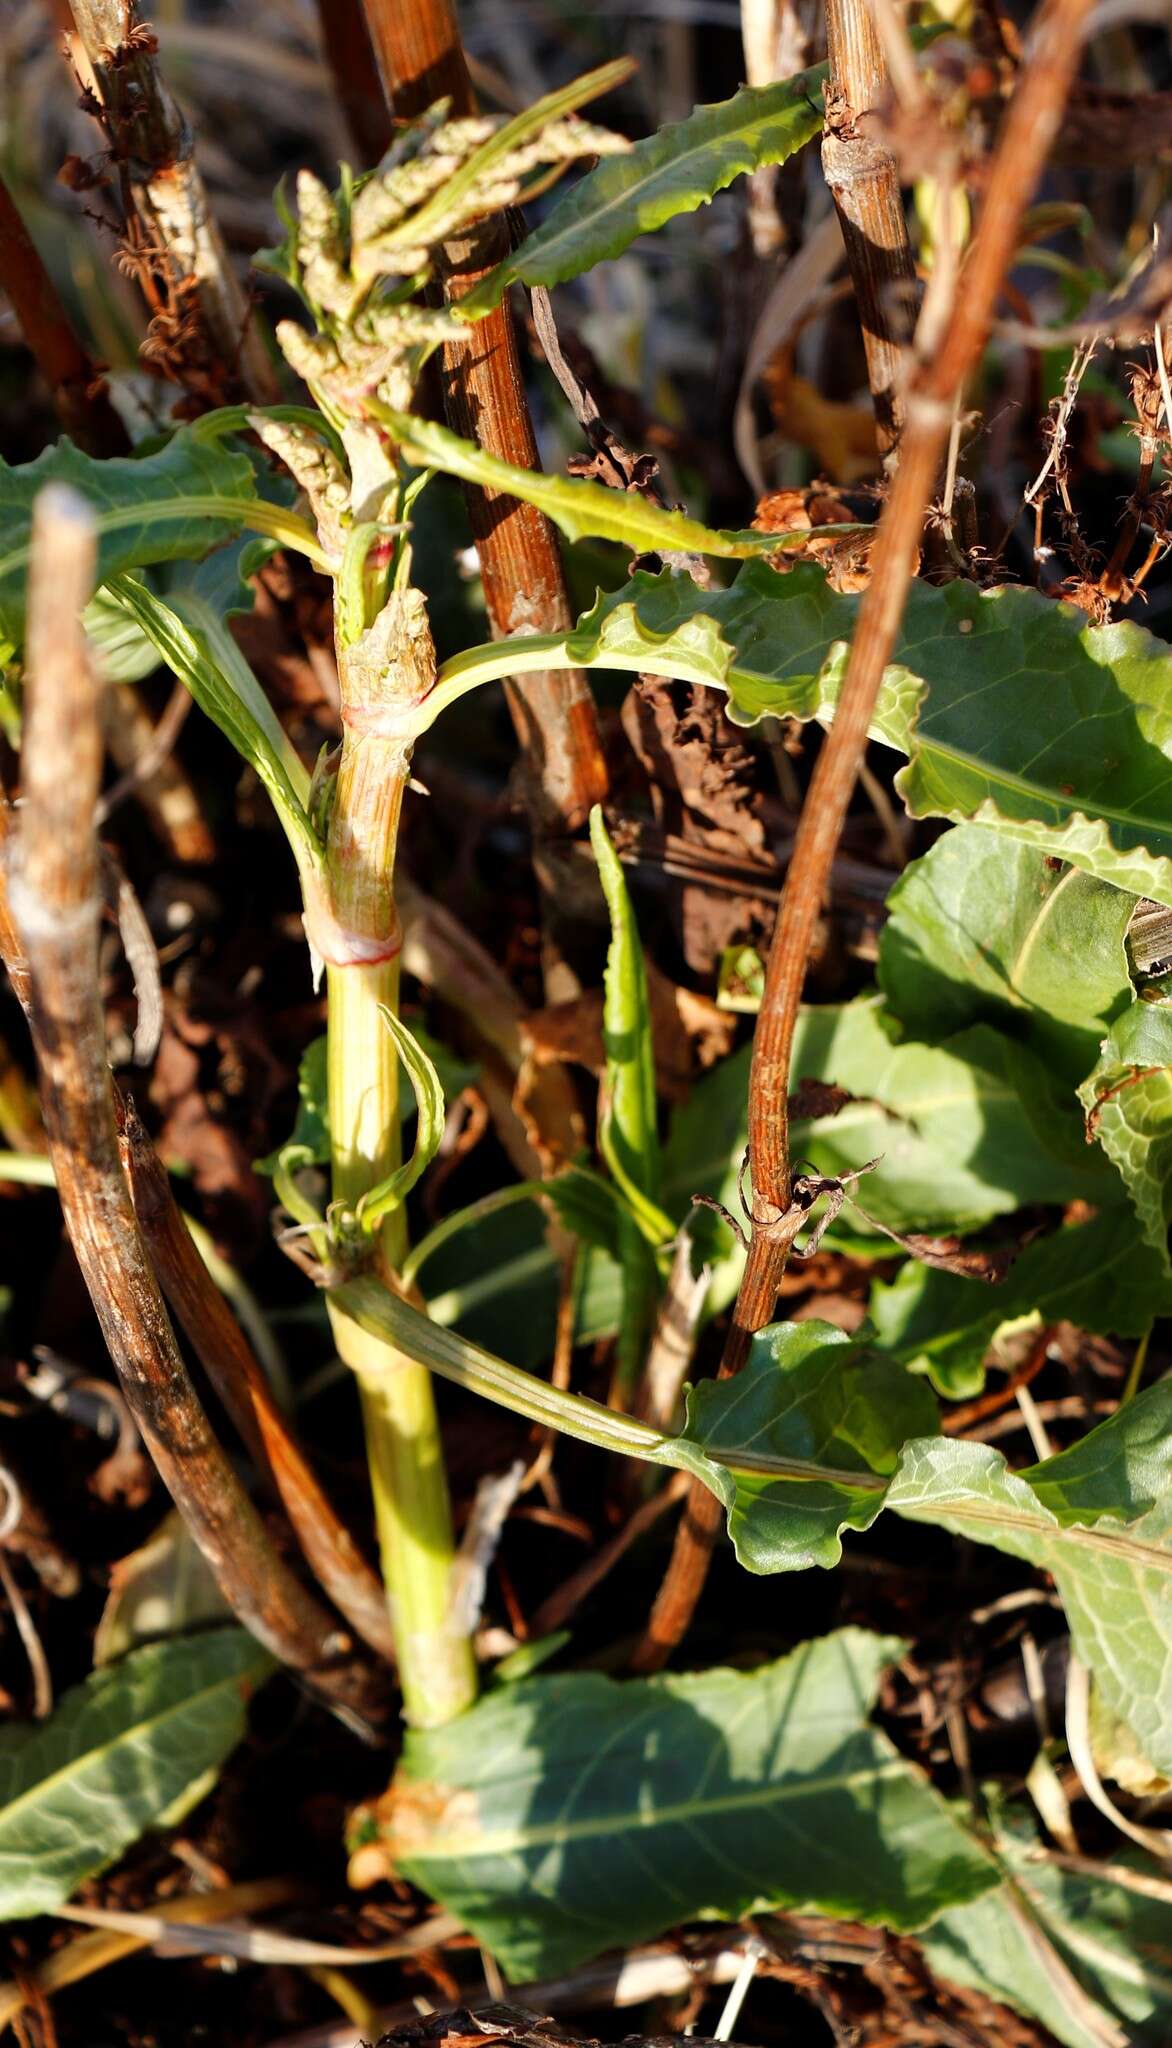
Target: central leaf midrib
(558,1832)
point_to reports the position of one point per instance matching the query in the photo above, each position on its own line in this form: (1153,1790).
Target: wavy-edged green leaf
(187,497)
(811,1395)
(964,1131)
(676,170)
(1097,1517)
(985,928)
(116,1755)
(200,651)
(1115,1941)
(1128,1102)
(579,509)
(1096,1275)
(1015,711)
(565,1815)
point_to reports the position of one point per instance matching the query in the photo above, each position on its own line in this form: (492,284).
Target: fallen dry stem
(936,385)
(55,904)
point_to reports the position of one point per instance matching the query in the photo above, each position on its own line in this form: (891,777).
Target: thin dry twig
(54,900)
(936,384)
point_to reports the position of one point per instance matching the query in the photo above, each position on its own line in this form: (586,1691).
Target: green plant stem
(436,1664)
(456,1358)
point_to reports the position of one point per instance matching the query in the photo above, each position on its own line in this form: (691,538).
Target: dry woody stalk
(55,904)
(174,232)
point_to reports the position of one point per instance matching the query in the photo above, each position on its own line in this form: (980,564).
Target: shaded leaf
(566,1815)
(116,1755)
(1097,1517)
(178,503)
(164,1588)
(985,928)
(674,171)
(628,1138)
(1093,1274)
(965,1131)
(578,508)
(1128,1101)
(1116,1943)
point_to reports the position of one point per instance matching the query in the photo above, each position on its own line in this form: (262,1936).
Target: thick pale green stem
(356,931)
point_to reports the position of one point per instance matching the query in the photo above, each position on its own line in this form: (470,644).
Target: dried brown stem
(422,59)
(54,898)
(227,1357)
(354,70)
(152,150)
(80,398)
(935,387)
(863,176)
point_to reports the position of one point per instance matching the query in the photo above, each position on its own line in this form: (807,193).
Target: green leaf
(1128,1101)
(809,1394)
(1097,1517)
(628,1135)
(198,648)
(982,682)
(674,171)
(578,508)
(1115,1941)
(1096,1275)
(177,503)
(117,1753)
(392,1192)
(964,1131)
(569,1814)
(983,928)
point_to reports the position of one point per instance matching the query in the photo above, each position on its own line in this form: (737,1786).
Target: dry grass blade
(258,1944)
(54,898)
(92,1952)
